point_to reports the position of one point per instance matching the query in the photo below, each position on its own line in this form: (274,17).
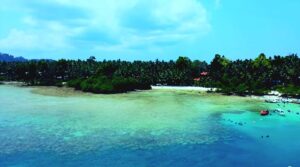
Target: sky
(149,29)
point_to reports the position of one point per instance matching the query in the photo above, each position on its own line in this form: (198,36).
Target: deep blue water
(242,152)
(239,150)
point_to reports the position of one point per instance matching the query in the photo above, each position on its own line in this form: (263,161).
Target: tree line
(257,76)
(241,77)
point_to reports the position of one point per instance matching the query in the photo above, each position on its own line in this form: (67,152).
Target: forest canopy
(241,77)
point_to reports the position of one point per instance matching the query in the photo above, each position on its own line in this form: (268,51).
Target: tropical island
(149,83)
(239,77)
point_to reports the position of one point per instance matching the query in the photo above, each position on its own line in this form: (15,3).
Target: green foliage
(183,71)
(75,83)
(104,84)
(241,77)
(254,77)
(183,63)
(146,73)
(198,67)
(218,66)
(262,62)
(219,62)
(107,69)
(289,90)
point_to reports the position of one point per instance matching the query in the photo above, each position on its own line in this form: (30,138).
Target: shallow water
(59,127)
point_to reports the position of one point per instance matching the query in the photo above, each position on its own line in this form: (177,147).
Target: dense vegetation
(241,77)
(103,84)
(256,76)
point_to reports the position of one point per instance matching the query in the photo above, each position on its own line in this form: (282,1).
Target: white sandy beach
(272,96)
(187,88)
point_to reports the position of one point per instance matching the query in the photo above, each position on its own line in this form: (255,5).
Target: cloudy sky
(149,29)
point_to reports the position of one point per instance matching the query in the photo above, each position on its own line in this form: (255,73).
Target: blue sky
(147,30)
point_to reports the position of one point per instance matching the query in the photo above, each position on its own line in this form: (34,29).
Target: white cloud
(109,14)
(184,19)
(130,23)
(39,35)
(37,40)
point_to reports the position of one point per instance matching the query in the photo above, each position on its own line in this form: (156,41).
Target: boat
(264,112)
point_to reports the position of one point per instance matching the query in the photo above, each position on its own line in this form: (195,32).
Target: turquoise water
(59,127)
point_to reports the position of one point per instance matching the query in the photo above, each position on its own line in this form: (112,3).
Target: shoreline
(13,83)
(276,99)
(184,88)
(272,97)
